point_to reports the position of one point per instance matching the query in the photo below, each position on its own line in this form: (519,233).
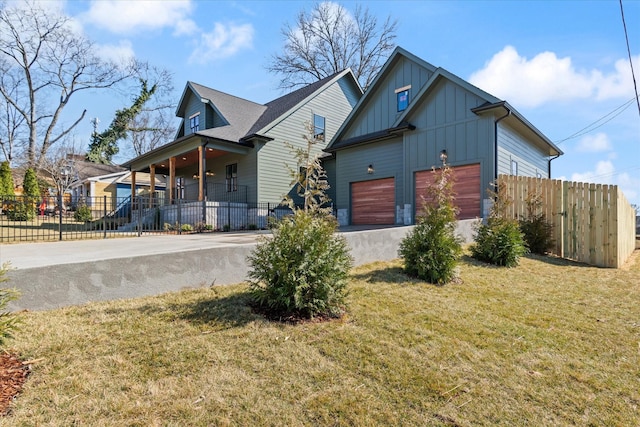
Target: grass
(547,343)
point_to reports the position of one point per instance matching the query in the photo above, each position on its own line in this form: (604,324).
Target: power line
(626,36)
(591,127)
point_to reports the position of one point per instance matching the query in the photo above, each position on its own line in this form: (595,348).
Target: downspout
(495,140)
(549,168)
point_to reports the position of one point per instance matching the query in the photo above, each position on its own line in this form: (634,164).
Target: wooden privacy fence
(592,223)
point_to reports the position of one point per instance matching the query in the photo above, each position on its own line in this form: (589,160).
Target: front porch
(196,168)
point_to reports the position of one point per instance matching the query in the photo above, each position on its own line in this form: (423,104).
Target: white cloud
(594,143)
(629,185)
(223,41)
(546,78)
(185,27)
(125,17)
(119,54)
(603,174)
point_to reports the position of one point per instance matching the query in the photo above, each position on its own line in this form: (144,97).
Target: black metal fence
(55,218)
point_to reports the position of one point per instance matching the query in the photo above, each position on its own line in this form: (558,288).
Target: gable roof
(384,71)
(246,118)
(239,113)
(492,103)
(285,103)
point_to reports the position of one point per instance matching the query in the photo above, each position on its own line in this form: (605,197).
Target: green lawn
(547,343)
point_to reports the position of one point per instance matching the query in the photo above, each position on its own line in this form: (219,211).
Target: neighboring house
(231,149)
(384,153)
(94,183)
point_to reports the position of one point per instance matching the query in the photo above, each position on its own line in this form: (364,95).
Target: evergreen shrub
(538,232)
(499,241)
(83,214)
(21,211)
(302,269)
(431,250)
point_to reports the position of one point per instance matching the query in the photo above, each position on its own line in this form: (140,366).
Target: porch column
(152,184)
(201,167)
(172,179)
(133,188)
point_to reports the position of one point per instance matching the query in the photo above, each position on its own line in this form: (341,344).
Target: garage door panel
(373,202)
(466,187)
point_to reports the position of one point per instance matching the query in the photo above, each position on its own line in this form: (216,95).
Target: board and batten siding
(274,156)
(381,108)
(511,146)
(194,106)
(352,164)
(246,173)
(444,121)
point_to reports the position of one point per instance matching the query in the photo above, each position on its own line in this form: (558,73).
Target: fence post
(179,217)
(229,215)
(139,204)
(60,213)
(104,216)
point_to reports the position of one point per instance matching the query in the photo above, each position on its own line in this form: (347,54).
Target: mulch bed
(13,374)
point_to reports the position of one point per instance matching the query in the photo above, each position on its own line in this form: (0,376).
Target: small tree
(499,241)
(302,270)
(431,250)
(6,180)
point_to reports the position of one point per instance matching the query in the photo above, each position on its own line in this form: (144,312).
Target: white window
(194,123)
(514,168)
(318,127)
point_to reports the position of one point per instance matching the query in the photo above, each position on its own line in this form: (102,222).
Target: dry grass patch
(547,343)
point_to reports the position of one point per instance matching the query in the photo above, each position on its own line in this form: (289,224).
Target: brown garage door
(373,202)
(467,188)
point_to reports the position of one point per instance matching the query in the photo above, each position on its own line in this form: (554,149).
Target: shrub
(21,211)
(6,180)
(431,250)
(302,270)
(31,188)
(8,320)
(499,241)
(186,228)
(538,233)
(83,214)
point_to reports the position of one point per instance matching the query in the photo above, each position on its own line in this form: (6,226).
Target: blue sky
(563,64)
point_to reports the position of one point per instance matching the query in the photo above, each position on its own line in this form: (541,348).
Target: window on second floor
(232,177)
(194,123)
(402,95)
(318,127)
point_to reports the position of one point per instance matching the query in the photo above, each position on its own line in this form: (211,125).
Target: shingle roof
(86,169)
(281,105)
(240,113)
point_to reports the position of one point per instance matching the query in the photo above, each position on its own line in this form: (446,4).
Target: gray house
(232,149)
(384,153)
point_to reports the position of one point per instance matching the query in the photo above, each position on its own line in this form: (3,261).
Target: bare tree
(11,122)
(153,126)
(327,40)
(53,63)
(62,165)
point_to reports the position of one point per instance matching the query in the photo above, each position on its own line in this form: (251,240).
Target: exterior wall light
(443,156)
(370,169)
